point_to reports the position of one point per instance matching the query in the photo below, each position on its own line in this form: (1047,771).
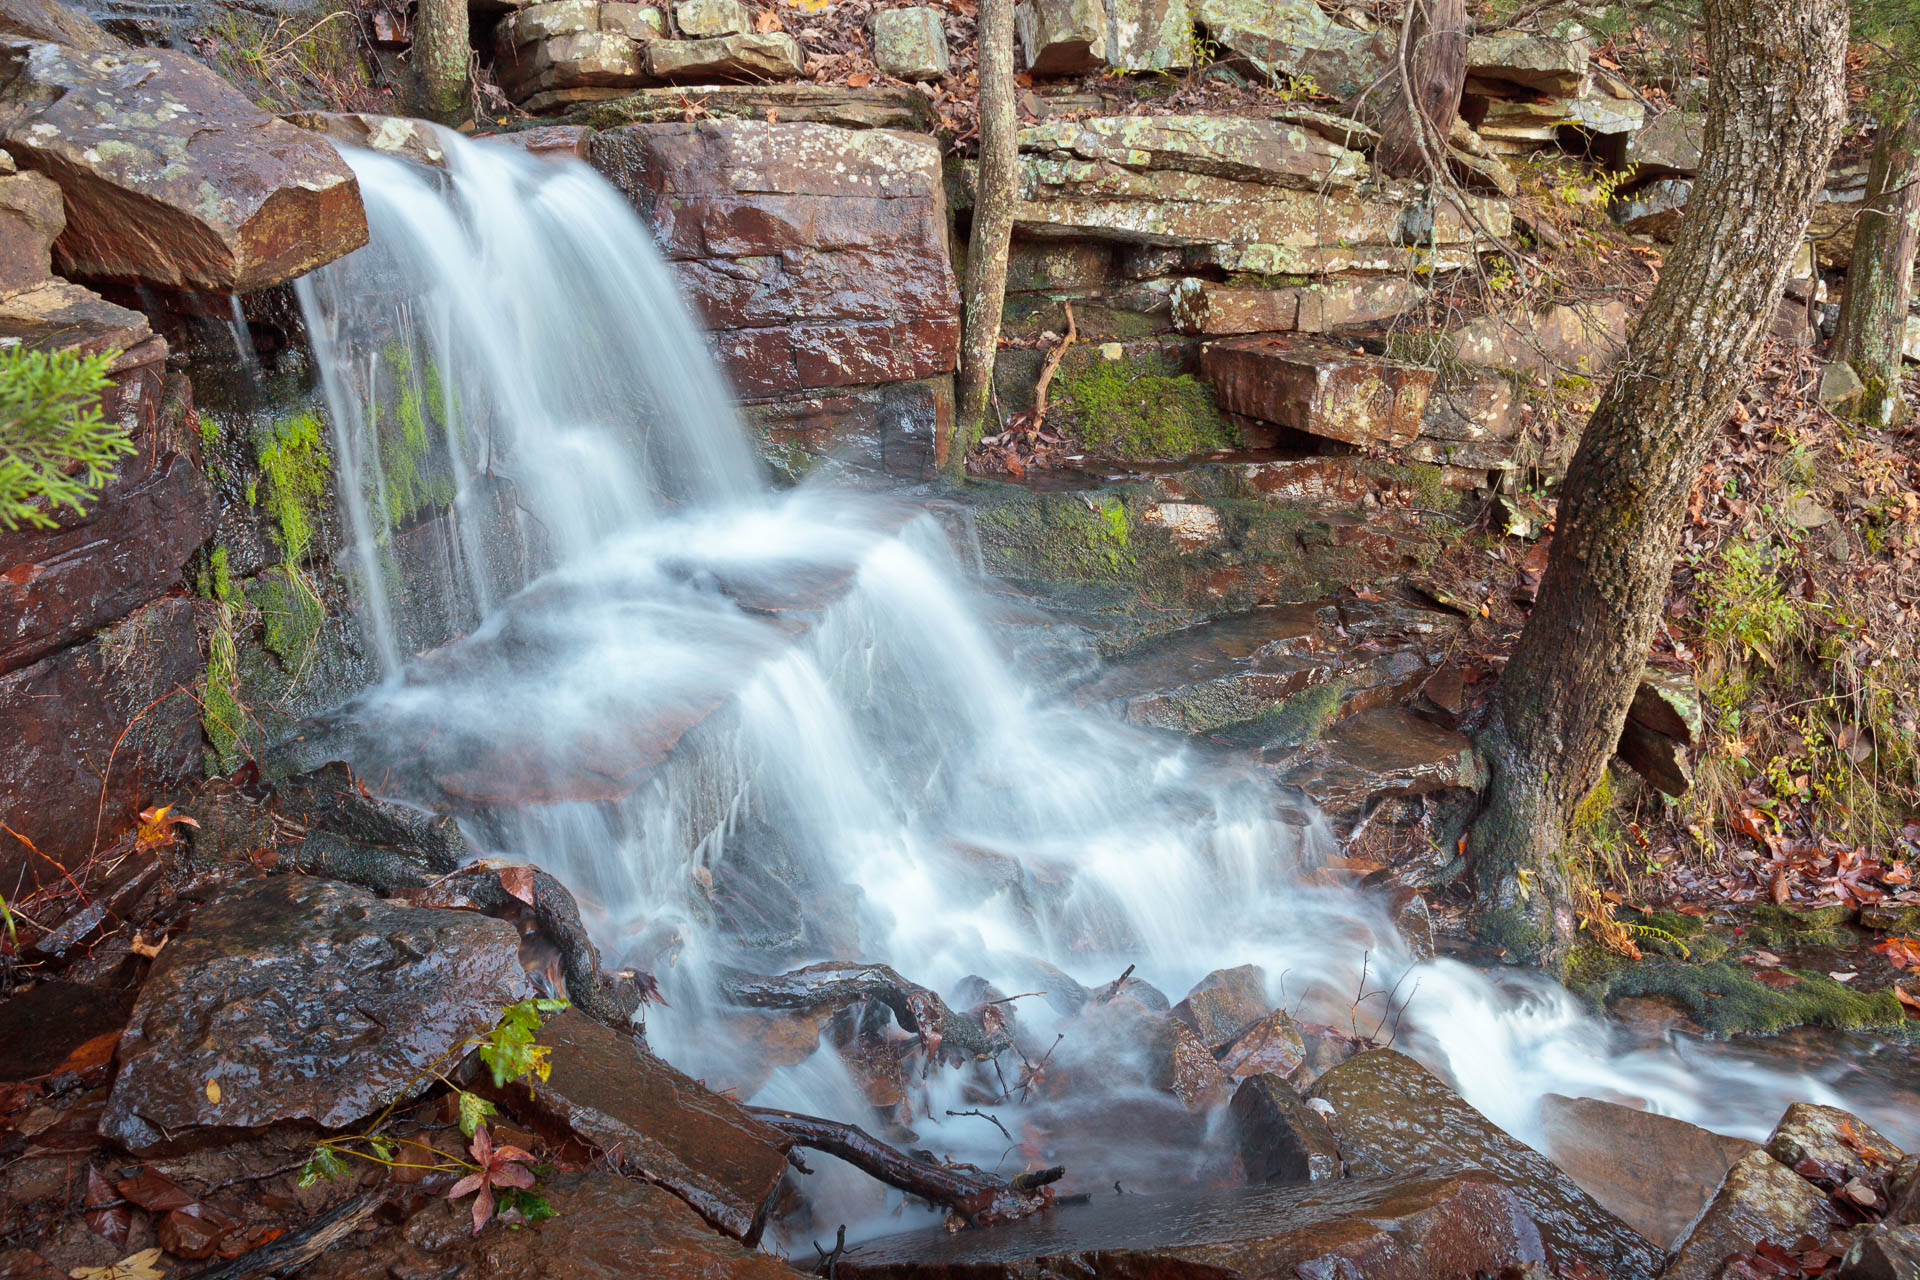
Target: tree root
(975,1196)
(835,985)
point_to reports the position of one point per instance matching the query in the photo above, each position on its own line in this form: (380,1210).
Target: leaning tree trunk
(1775,108)
(993,201)
(1873,315)
(441,56)
(1424,90)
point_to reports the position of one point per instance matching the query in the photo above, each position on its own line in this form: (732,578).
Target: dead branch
(1047,370)
(836,985)
(288,1253)
(976,1197)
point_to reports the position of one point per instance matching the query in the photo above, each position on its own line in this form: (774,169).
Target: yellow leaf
(213,1091)
(137,1266)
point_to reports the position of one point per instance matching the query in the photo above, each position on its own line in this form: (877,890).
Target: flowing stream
(764,729)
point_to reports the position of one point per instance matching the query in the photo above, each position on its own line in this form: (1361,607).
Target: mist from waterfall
(648,721)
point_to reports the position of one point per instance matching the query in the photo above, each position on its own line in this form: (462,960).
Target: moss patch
(295,466)
(1297,720)
(1783,926)
(1140,408)
(1728,1000)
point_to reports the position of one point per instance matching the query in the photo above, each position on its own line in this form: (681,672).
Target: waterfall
(763,730)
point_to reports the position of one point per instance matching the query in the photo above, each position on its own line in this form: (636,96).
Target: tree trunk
(1775,107)
(993,201)
(1425,90)
(1873,315)
(441,55)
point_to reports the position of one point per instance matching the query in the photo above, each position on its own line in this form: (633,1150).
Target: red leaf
(517,880)
(107,1214)
(153,1191)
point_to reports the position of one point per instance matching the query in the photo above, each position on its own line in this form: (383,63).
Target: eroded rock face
(171,176)
(1392,1114)
(604,1228)
(1061,37)
(1411,1228)
(1830,1136)
(1552,64)
(653,1122)
(1202,307)
(816,255)
(30,219)
(393,135)
(1760,1200)
(303,999)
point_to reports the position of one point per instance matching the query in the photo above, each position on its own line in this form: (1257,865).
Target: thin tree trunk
(441,55)
(1775,107)
(993,202)
(1425,93)
(1873,315)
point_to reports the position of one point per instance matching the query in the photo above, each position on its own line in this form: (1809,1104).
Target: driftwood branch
(288,1253)
(836,985)
(976,1196)
(1048,369)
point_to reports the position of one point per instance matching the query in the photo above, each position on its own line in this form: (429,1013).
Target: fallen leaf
(1779,978)
(1860,1193)
(1908,999)
(213,1091)
(859,80)
(517,880)
(154,1191)
(107,1214)
(1843,977)
(141,947)
(135,1266)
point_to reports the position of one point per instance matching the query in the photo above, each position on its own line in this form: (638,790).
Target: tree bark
(441,55)
(1775,107)
(1873,315)
(1424,92)
(997,177)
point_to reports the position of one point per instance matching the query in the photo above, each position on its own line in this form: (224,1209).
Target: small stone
(701,19)
(392,135)
(1830,1136)
(1271,1046)
(1839,384)
(639,22)
(1670,144)
(910,44)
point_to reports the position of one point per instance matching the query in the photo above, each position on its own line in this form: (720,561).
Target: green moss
(209,431)
(223,716)
(407,441)
(1783,926)
(295,465)
(1297,720)
(1728,1000)
(1140,408)
(290,615)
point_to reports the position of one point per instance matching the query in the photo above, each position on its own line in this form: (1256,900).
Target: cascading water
(763,730)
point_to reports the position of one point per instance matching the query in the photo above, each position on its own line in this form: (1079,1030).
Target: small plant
(511,1054)
(1747,609)
(56,450)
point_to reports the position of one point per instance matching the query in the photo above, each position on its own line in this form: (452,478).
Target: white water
(886,766)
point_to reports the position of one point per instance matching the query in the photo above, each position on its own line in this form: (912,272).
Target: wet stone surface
(292,998)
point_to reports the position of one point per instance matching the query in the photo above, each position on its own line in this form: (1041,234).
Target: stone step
(1385,752)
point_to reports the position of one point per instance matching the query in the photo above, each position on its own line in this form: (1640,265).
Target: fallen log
(836,985)
(976,1196)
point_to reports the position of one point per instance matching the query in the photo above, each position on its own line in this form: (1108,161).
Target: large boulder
(1657,1173)
(911,44)
(1760,1200)
(1411,1228)
(1149,35)
(1225,1003)
(1061,37)
(650,1121)
(293,998)
(170,175)
(816,255)
(1281,1138)
(1394,1115)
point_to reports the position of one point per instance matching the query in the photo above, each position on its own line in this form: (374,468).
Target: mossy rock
(1783,926)
(1139,408)
(1294,722)
(1728,1000)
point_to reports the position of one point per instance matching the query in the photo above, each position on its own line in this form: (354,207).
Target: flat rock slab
(1386,751)
(1392,1115)
(171,176)
(604,1228)
(303,999)
(1654,1171)
(655,1123)
(1411,1228)
(1318,388)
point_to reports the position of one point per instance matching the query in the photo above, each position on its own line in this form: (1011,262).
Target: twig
(992,1120)
(1113,988)
(1047,370)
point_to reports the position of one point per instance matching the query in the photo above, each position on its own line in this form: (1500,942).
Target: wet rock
(816,255)
(1670,144)
(1281,1138)
(41,1028)
(61,718)
(1297,38)
(31,218)
(49,20)
(1759,1200)
(1653,1171)
(1830,1136)
(303,999)
(1192,1074)
(1407,1228)
(559,141)
(739,57)
(652,1122)
(1225,1003)
(1202,307)
(910,44)
(1271,1046)
(1552,64)
(604,1228)
(1061,37)
(1122,1041)
(1392,1114)
(1883,1253)
(392,135)
(1319,389)
(1149,35)
(171,176)
(700,19)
